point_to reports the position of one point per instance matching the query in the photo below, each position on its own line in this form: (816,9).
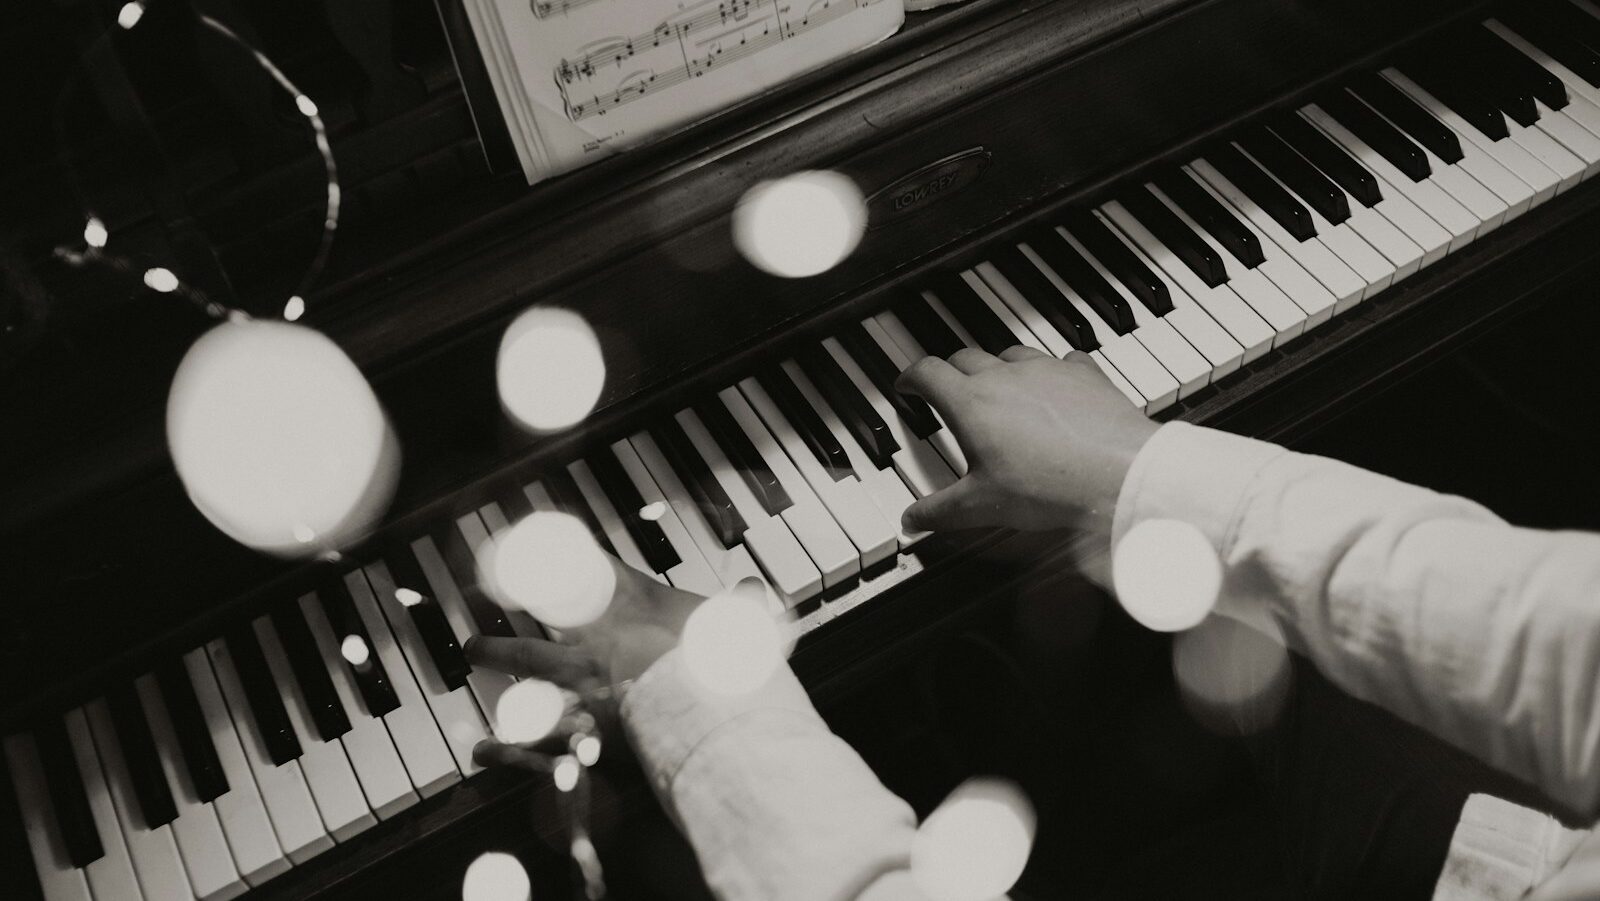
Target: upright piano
(1252,214)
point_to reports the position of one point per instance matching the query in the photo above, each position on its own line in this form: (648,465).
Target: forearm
(774,804)
(1425,604)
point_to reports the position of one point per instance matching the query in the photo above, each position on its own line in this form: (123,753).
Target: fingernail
(908,523)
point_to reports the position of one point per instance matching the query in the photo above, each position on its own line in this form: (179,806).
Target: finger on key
(931,379)
(972,361)
(1023,352)
(491,753)
(563,665)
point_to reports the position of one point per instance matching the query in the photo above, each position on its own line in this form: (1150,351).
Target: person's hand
(643,621)
(1047,441)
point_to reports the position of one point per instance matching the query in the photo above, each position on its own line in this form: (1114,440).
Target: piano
(1250,213)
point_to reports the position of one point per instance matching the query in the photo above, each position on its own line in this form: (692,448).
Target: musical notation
(709,35)
(544,9)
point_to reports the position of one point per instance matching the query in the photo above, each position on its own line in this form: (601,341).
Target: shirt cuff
(668,713)
(1194,474)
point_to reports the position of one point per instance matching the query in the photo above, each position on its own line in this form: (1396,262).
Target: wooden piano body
(107,567)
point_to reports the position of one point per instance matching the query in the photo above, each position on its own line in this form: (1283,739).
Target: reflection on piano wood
(676,51)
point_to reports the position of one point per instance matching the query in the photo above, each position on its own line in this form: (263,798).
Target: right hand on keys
(1048,442)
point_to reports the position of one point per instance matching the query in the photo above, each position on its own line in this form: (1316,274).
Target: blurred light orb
(653,511)
(731,644)
(294,308)
(1166,574)
(130,14)
(160,278)
(1233,678)
(587,750)
(548,565)
(94,233)
(305,105)
(354,650)
(278,438)
(407,597)
(974,846)
(496,876)
(550,369)
(565,774)
(528,711)
(800,225)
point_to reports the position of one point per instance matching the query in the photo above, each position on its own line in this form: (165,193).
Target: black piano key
(514,502)
(1454,93)
(626,500)
(1460,56)
(463,565)
(974,315)
(139,751)
(68,797)
(417,596)
(708,494)
(1582,26)
(1207,212)
(310,674)
(1079,275)
(1304,179)
(1547,34)
(1268,194)
(1032,284)
(1318,149)
(736,446)
(1173,232)
(1416,122)
(564,491)
(194,736)
(805,422)
(849,404)
(261,693)
(1514,64)
(931,332)
(883,374)
(1382,137)
(371,678)
(1130,270)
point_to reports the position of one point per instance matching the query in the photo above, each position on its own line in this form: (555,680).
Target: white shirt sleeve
(774,804)
(1425,604)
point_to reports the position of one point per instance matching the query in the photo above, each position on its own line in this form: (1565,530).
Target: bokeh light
(496,876)
(974,846)
(1167,575)
(355,650)
(548,565)
(731,644)
(587,750)
(130,13)
(94,233)
(528,711)
(160,278)
(652,511)
(565,774)
(800,225)
(294,308)
(1234,677)
(550,369)
(279,440)
(408,597)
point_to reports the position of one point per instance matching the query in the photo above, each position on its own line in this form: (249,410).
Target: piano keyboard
(267,746)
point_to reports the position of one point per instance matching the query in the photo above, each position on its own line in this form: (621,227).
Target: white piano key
(1569,133)
(199,836)
(1151,382)
(1204,334)
(1338,257)
(372,752)
(730,565)
(240,810)
(943,312)
(1458,224)
(283,787)
(1577,87)
(1290,263)
(111,878)
(327,769)
(769,538)
(487,685)
(455,714)
(1055,343)
(1286,317)
(845,500)
(153,852)
(825,542)
(1541,180)
(926,465)
(1234,315)
(885,488)
(693,572)
(1518,195)
(1549,151)
(610,522)
(1455,181)
(476,529)
(60,880)
(1027,332)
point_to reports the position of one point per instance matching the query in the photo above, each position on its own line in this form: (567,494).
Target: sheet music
(576,79)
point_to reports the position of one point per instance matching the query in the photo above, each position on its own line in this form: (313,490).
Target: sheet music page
(582,78)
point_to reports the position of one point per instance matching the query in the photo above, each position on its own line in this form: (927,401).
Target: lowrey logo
(922,188)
